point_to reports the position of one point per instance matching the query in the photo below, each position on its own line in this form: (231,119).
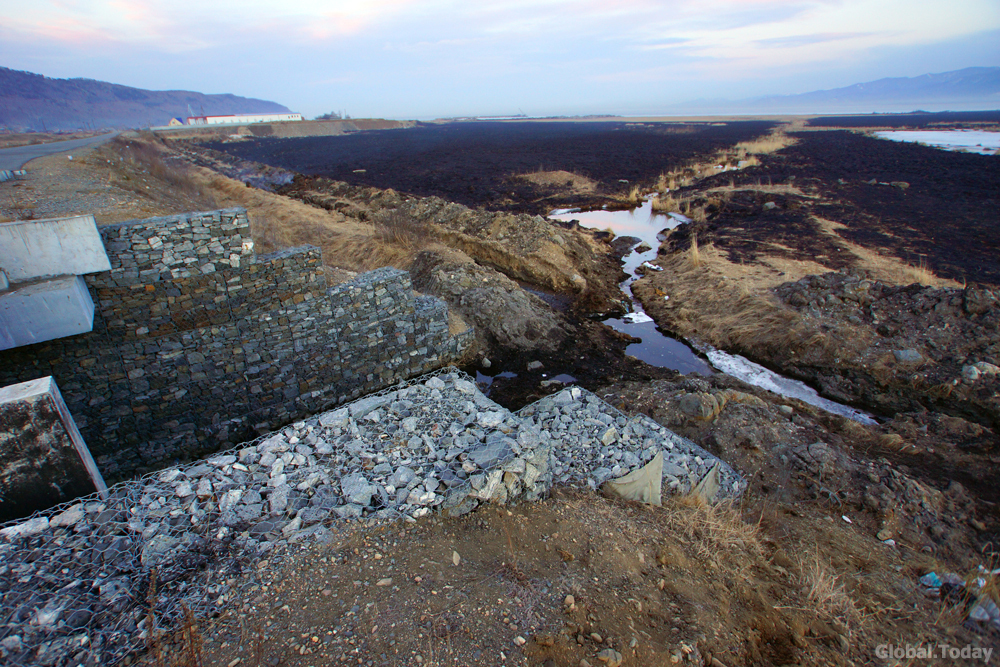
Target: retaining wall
(199,342)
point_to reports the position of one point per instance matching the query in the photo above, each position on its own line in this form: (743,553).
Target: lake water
(663,351)
(971,141)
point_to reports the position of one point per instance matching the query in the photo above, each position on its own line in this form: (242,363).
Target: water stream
(664,351)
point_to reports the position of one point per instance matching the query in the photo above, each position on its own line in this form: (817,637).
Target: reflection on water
(485,382)
(972,141)
(656,349)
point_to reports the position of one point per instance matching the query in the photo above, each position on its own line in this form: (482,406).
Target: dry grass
(694,254)
(396,228)
(666,182)
(714,526)
(634,195)
(665,204)
(826,592)
(772,143)
(885,268)
(716,533)
(147,155)
(741,314)
(279,222)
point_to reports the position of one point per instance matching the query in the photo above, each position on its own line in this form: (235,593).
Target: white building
(242,119)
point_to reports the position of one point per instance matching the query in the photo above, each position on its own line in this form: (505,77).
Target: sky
(444,58)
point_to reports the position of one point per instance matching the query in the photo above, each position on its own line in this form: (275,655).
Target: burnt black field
(947,217)
(473,163)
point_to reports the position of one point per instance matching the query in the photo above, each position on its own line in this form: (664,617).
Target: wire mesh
(92,581)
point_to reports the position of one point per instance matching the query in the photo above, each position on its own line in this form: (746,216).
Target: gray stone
(348,511)
(465,387)
(335,418)
(69,518)
(490,419)
(488,456)
(356,489)
(204,488)
(910,356)
(278,499)
(402,477)
(362,407)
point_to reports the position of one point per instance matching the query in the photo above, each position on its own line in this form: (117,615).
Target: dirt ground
(819,562)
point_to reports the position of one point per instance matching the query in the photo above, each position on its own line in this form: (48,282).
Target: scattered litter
(652,267)
(636,318)
(846,518)
(666,298)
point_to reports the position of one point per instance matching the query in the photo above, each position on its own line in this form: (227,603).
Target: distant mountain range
(973,88)
(35,102)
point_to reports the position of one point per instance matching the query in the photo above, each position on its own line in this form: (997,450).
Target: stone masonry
(199,342)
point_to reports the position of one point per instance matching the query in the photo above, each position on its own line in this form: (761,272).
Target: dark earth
(475,163)
(943,211)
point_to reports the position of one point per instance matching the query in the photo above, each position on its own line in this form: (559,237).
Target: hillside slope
(973,87)
(34,102)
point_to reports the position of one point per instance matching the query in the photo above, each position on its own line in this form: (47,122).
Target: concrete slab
(32,249)
(43,459)
(42,310)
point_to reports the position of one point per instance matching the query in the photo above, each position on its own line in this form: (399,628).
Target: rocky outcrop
(505,316)
(918,346)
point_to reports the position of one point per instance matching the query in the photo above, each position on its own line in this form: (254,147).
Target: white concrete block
(43,310)
(31,249)
(43,458)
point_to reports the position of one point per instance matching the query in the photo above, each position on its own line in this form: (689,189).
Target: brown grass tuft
(665,204)
(694,254)
(826,592)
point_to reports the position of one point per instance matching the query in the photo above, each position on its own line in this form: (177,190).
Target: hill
(972,88)
(34,102)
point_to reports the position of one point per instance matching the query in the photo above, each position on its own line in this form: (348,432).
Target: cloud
(815,38)
(394,53)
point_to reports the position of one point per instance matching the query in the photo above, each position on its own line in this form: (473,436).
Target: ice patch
(636,318)
(973,141)
(758,376)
